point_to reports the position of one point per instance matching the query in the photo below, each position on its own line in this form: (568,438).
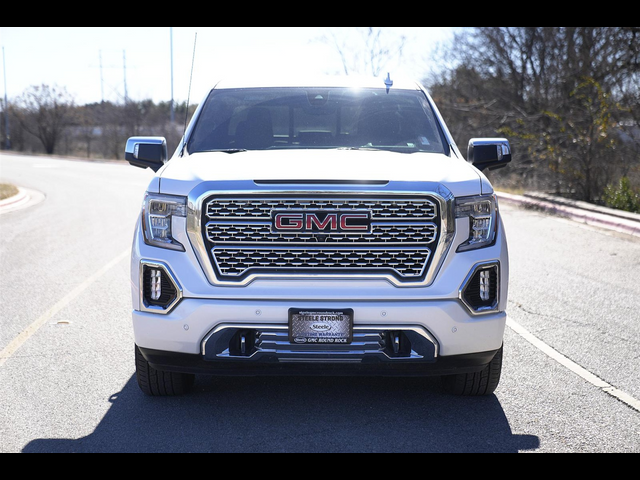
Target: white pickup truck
(326,227)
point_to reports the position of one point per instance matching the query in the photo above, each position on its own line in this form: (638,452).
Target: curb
(16,200)
(24,199)
(614,220)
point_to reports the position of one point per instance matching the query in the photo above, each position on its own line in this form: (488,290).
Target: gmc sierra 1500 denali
(329,227)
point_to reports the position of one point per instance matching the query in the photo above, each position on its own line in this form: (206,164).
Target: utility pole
(6,103)
(126,91)
(173,105)
(101,77)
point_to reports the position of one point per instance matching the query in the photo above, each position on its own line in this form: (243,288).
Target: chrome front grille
(236,262)
(242,239)
(261,208)
(381,234)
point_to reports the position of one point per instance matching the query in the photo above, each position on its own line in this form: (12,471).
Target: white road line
(574,367)
(32,329)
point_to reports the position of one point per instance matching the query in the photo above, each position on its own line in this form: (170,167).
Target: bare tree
(366,50)
(567,96)
(44,112)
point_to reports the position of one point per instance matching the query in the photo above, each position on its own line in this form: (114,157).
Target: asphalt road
(67,373)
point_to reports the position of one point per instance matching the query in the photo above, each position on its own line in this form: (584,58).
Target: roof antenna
(388,82)
(186,116)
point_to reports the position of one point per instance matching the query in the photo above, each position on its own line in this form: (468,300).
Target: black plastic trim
(196,364)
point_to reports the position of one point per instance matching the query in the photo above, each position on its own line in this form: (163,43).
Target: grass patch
(7,191)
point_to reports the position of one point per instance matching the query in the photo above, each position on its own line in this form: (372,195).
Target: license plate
(321,327)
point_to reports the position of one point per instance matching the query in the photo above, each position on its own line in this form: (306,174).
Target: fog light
(485,285)
(156,285)
(159,289)
(481,289)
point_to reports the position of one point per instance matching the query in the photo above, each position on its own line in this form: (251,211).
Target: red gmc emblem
(292,221)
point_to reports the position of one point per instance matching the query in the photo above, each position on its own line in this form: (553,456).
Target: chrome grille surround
(234,240)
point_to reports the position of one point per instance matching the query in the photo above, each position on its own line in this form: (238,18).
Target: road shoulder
(609,219)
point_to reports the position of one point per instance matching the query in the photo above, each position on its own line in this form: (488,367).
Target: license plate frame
(321,326)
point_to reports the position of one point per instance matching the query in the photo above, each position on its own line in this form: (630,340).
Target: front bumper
(204,331)
(248,338)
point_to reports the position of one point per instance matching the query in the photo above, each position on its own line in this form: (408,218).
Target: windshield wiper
(371,148)
(230,151)
(365,148)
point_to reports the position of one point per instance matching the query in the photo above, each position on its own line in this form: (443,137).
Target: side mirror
(147,152)
(489,153)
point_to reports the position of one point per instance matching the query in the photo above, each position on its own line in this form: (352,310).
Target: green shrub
(622,196)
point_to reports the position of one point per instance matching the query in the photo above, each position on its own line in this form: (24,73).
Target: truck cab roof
(328,81)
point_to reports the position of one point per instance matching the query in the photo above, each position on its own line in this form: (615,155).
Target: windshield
(330,118)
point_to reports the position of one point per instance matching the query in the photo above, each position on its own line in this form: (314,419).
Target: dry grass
(7,191)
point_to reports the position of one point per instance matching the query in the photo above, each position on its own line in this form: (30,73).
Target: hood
(181,175)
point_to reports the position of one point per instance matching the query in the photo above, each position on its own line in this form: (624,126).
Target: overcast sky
(70,57)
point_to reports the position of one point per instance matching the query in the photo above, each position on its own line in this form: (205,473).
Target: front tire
(155,383)
(479,384)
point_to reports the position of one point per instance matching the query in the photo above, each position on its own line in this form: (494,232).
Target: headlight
(482,213)
(158,212)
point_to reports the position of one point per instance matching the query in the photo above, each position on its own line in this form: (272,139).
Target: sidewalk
(594,215)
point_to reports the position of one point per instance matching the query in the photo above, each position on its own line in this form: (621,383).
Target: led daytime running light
(158,214)
(482,213)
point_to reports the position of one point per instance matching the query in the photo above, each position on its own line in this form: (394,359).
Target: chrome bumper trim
(273,341)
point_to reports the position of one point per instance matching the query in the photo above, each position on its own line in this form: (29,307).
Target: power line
(108,86)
